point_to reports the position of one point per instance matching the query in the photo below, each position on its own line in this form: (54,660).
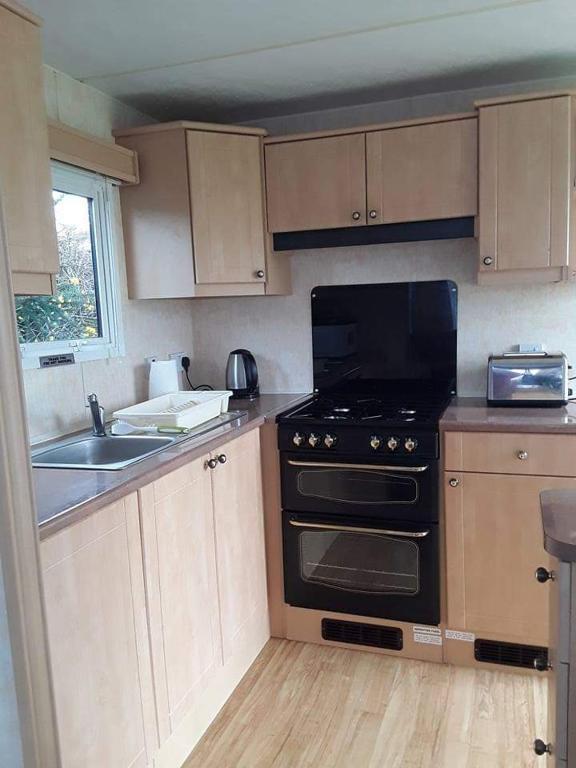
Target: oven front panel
(406,491)
(362,567)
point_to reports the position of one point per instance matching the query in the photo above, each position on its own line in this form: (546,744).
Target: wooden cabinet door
(96,616)
(181,586)
(316,183)
(240,547)
(26,186)
(226,196)
(422,172)
(494,543)
(525,184)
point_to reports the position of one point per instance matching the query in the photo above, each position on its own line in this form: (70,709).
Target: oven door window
(360,562)
(357,486)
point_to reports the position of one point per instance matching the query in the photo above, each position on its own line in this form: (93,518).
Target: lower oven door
(362,567)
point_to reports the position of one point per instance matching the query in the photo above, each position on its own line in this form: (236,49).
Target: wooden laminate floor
(311,706)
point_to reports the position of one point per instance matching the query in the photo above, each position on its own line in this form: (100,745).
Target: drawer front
(510,453)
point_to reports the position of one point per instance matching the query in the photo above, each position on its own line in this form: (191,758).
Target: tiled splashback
(277,330)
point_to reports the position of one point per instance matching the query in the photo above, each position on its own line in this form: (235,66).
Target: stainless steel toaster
(528,379)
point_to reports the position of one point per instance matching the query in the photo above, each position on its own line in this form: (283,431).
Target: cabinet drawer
(510,453)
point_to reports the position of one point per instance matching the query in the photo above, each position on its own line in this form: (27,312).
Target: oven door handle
(353,529)
(336,465)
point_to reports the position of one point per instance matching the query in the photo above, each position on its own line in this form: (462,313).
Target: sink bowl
(101,452)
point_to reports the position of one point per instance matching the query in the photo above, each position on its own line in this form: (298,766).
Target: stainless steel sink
(101,452)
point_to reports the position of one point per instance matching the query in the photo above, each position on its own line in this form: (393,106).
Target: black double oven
(359,458)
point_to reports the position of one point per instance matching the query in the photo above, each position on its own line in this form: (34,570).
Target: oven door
(362,567)
(406,490)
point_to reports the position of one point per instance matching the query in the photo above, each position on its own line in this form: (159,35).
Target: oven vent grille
(509,654)
(362,634)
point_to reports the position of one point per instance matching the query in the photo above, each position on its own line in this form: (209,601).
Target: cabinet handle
(373,214)
(259,273)
(356,215)
(522,455)
(454,482)
(541,748)
(541,664)
(542,575)
(212,463)
(488,260)
(222,458)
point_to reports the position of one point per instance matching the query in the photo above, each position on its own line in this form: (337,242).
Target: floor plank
(311,706)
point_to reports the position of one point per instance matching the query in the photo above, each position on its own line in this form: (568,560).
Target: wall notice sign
(427,635)
(454,634)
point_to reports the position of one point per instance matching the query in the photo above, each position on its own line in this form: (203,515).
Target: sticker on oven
(454,634)
(427,635)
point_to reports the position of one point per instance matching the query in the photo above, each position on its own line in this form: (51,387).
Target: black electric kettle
(242,375)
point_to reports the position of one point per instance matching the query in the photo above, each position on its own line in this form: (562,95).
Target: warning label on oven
(454,634)
(427,635)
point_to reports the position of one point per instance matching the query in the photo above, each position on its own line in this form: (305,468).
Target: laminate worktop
(471,414)
(64,496)
(559,522)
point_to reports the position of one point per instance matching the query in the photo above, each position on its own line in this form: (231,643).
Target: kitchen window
(83,315)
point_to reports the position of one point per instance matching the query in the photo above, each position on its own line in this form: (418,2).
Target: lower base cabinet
(156,607)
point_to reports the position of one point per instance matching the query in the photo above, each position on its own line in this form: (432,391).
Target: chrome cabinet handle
(542,575)
(222,458)
(335,465)
(522,455)
(212,463)
(356,215)
(373,214)
(353,529)
(259,273)
(454,482)
(488,260)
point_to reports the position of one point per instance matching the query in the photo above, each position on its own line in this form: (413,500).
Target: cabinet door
(494,543)
(26,188)
(226,194)
(525,170)
(240,547)
(316,183)
(96,616)
(181,586)
(422,172)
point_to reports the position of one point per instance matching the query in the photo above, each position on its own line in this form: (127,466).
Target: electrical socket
(178,357)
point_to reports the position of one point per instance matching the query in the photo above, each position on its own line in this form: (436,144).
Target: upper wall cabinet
(25,183)
(316,183)
(399,172)
(526,195)
(194,226)
(423,172)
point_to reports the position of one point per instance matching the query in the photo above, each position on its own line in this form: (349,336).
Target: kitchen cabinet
(316,183)
(397,172)
(422,172)
(205,576)
(194,225)
(26,186)
(494,541)
(98,639)
(526,199)
(240,547)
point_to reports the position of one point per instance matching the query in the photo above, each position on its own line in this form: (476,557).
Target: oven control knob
(392,443)
(298,439)
(313,440)
(329,441)
(410,444)
(375,442)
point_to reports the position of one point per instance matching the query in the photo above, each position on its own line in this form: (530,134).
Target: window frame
(102,191)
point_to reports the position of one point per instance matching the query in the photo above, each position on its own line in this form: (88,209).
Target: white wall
(56,397)
(277,330)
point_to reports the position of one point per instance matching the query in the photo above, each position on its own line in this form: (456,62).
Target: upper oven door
(406,490)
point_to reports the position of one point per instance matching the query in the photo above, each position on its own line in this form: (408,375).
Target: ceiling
(249,59)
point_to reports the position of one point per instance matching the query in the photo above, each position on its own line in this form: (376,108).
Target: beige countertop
(469,414)
(64,496)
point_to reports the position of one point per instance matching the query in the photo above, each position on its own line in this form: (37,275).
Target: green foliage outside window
(72,313)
